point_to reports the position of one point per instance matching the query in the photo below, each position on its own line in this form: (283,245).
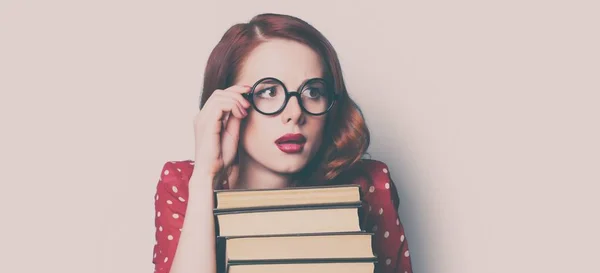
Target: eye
(313,92)
(268,92)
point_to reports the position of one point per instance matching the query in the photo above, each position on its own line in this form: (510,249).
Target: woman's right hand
(217,129)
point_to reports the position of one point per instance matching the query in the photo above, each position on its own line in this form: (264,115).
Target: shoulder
(374,177)
(369,172)
(378,170)
(176,173)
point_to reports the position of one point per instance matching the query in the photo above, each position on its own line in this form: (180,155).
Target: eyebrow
(276,82)
(270,81)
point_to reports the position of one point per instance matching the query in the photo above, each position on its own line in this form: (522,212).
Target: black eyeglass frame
(288,94)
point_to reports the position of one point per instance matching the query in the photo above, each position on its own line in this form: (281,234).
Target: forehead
(289,61)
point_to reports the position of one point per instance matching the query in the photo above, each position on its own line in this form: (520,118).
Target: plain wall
(485,111)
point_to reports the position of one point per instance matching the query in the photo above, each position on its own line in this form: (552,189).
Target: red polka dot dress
(379,215)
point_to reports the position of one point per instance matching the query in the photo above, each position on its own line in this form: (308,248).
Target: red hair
(346,136)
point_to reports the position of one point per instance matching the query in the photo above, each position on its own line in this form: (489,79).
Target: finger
(240,89)
(221,96)
(236,92)
(236,96)
(230,137)
(228,104)
(232,129)
(222,108)
(242,114)
(219,93)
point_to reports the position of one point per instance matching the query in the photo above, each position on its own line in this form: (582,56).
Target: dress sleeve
(170,206)
(389,242)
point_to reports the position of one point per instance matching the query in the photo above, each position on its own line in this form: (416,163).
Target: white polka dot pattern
(383,221)
(170,200)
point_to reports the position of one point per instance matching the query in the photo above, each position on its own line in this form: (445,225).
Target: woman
(250,134)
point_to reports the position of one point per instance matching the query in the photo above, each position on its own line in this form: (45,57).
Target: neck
(253,175)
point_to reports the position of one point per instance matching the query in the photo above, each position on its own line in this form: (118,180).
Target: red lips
(291,138)
(291,143)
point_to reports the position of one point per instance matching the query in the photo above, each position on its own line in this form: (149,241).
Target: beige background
(486,111)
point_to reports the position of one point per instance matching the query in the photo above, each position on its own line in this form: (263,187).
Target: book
(316,266)
(340,245)
(291,220)
(318,209)
(307,229)
(288,197)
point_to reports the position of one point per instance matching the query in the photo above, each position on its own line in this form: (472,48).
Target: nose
(292,112)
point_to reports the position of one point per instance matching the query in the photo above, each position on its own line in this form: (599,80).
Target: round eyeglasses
(269,96)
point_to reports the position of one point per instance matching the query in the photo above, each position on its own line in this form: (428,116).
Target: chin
(290,163)
(289,166)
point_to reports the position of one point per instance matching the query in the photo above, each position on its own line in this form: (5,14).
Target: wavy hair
(346,136)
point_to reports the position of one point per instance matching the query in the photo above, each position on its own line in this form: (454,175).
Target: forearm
(196,248)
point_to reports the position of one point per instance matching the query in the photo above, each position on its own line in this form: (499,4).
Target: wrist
(201,180)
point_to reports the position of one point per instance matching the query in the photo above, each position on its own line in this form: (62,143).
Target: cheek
(256,130)
(316,128)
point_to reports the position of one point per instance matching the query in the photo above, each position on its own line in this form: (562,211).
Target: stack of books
(309,229)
